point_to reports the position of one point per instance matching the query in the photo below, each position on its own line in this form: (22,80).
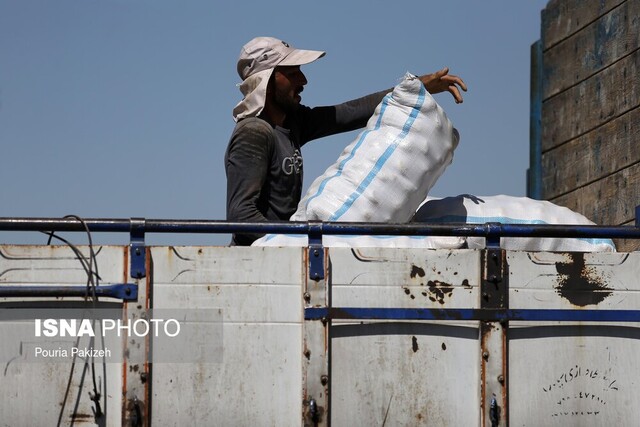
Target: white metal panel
(404,278)
(574,374)
(259,378)
(40,394)
(24,264)
(405,373)
(227,265)
(258,382)
(55,393)
(574,280)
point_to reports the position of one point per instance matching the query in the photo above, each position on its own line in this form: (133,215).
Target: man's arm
(319,122)
(246,164)
(354,114)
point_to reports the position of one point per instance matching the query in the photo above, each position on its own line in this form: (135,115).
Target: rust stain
(407,291)
(579,284)
(306,352)
(486,328)
(414,344)
(439,290)
(81,417)
(417,272)
(126,264)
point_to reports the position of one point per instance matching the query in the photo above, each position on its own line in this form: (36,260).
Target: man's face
(289,83)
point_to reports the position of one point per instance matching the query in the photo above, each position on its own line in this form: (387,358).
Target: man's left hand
(442,81)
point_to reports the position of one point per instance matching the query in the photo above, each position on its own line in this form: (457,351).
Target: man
(263,161)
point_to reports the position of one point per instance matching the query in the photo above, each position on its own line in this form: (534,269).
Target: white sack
(511,210)
(383,175)
(423,242)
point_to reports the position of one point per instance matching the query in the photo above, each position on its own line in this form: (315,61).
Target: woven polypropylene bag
(357,241)
(384,174)
(503,209)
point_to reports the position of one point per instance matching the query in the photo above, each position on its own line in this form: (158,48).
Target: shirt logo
(292,164)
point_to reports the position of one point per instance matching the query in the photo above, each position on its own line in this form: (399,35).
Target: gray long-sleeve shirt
(263,163)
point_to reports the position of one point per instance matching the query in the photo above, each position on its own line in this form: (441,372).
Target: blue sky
(119,109)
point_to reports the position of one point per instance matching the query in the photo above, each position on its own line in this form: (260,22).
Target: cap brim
(301,57)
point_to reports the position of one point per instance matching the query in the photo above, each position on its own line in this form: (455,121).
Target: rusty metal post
(136,370)
(493,340)
(315,340)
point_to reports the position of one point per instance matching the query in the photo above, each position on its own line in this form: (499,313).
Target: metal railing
(313,229)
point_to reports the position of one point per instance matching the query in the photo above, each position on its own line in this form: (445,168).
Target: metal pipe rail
(482,314)
(315,229)
(123,291)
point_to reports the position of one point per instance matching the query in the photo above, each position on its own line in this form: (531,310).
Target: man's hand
(441,81)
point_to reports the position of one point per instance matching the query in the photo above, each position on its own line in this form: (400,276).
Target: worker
(263,161)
